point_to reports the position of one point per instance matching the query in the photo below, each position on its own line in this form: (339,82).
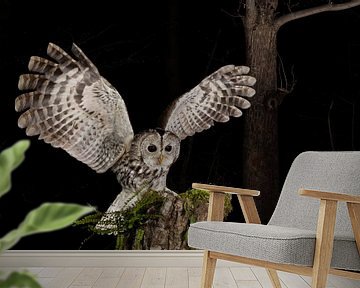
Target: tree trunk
(168,231)
(260,151)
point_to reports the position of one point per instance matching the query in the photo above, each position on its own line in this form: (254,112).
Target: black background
(152,52)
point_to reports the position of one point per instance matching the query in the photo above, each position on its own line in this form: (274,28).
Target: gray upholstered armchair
(314,230)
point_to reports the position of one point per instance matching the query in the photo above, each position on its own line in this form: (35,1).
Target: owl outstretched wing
(214,99)
(71,106)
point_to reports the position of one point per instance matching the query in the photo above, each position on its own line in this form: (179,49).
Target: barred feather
(71,106)
(40,65)
(215,99)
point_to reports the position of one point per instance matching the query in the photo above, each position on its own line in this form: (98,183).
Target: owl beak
(161,158)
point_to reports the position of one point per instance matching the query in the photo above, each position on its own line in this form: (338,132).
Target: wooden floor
(142,269)
(166,277)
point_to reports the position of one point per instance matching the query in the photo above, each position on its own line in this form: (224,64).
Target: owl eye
(151,148)
(168,148)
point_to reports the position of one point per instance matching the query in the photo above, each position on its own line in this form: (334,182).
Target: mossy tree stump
(157,221)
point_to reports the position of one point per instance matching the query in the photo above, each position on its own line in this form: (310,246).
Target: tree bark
(169,231)
(260,151)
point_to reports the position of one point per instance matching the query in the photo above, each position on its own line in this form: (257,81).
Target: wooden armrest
(216,202)
(330,196)
(327,219)
(225,189)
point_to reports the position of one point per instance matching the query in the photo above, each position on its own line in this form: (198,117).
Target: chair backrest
(326,171)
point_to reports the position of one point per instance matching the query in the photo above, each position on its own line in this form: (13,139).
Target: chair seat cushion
(270,243)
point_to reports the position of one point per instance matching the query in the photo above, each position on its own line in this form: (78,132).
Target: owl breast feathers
(69,105)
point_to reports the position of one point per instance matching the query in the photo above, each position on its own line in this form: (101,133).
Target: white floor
(144,270)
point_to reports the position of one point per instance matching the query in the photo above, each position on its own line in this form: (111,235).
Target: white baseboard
(105,258)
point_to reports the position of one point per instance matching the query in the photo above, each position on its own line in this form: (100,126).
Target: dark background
(152,52)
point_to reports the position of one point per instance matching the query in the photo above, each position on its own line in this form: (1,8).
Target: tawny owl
(71,106)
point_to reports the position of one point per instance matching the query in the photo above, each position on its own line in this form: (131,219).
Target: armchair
(306,236)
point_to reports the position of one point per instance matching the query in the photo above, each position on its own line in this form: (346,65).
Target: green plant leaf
(20,280)
(11,158)
(47,217)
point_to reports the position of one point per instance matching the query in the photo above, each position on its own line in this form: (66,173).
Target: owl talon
(167,191)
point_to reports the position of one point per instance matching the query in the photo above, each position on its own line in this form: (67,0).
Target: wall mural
(152,53)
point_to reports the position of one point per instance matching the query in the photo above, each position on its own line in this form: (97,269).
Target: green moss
(89,220)
(195,200)
(126,225)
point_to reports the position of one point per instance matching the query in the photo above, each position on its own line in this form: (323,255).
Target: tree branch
(315,10)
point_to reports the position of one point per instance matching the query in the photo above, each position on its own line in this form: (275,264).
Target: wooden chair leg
(208,270)
(274,278)
(354,212)
(324,243)
(251,215)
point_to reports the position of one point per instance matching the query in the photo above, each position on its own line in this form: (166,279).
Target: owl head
(157,148)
